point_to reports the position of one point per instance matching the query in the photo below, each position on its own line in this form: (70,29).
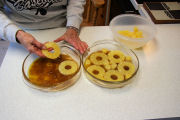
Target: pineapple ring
(51,55)
(128,58)
(99,58)
(116,56)
(96,71)
(68,67)
(87,63)
(126,68)
(113,75)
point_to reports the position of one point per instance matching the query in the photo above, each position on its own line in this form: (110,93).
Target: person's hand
(72,37)
(30,43)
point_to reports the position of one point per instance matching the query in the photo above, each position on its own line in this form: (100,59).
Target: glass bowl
(110,45)
(65,49)
(127,22)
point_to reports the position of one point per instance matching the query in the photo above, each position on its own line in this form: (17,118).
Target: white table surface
(154,94)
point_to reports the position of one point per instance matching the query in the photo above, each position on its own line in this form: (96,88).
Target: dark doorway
(121,7)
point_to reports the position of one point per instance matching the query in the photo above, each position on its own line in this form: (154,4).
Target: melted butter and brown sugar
(44,72)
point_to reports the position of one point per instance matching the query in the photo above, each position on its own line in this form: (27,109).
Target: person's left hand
(72,37)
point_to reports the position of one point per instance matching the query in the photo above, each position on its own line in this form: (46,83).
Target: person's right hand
(30,43)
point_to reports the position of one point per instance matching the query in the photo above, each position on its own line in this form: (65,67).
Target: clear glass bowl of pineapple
(109,64)
(134,31)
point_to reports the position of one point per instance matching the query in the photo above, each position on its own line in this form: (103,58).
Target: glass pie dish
(66,49)
(110,45)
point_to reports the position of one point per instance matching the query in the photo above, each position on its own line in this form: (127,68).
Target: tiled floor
(3,48)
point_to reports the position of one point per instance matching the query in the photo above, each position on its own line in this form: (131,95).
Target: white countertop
(154,94)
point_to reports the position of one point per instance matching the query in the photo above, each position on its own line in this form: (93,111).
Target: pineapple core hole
(95,72)
(126,67)
(116,56)
(67,67)
(114,77)
(99,58)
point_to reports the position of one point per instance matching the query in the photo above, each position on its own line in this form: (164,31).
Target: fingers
(76,46)
(39,53)
(84,45)
(31,44)
(38,44)
(59,39)
(36,50)
(73,39)
(81,46)
(36,47)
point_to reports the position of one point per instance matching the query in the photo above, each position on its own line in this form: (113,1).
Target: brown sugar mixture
(44,72)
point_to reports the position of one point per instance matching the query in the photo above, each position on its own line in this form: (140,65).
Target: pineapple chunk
(104,50)
(136,29)
(135,34)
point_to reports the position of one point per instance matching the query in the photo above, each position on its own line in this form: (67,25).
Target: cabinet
(96,12)
(100,12)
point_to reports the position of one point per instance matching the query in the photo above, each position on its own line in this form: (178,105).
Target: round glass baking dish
(65,49)
(110,45)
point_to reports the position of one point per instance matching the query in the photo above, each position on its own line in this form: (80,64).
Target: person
(16,16)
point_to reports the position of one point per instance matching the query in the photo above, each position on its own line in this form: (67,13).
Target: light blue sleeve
(7,28)
(75,10)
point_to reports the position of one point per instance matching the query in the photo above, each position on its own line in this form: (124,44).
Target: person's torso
(37,14)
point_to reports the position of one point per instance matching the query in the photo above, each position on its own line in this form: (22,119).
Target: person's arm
(11,32)
(7,28)
(75,10)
